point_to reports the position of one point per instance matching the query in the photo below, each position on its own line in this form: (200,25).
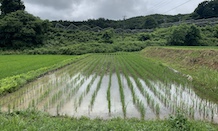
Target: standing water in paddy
(112,85)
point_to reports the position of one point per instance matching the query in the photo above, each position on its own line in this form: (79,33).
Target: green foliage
(20,29)
(9,6)
(215,31)
(185,35)
(150,23)
(143,37)
(179,122)
(193,36)
(178,35)
(206,9)
(107,36)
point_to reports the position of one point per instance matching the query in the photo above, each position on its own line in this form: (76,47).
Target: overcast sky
(78,10)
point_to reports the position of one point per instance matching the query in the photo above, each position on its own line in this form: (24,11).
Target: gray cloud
(55,4)
(110,9)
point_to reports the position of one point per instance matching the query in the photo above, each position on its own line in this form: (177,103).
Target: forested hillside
(26,33)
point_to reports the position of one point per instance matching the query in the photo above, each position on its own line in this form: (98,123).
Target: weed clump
(179,122)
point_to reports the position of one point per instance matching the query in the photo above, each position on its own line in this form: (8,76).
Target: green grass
(191,47)
(17,70)
(18,64)
(32,120)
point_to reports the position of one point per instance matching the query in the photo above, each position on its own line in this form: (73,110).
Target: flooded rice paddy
(113,85)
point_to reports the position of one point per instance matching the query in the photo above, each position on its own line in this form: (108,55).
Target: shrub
(144,37)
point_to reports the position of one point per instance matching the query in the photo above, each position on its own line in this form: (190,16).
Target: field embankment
(199,62)
(17,70)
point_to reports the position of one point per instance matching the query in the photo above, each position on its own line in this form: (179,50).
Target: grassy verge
(22,69)
(199,62)
(33,120)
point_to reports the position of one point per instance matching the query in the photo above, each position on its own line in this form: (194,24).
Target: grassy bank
(199,62)
(17,70)
(32,120)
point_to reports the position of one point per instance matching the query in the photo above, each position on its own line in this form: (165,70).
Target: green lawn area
(11,65)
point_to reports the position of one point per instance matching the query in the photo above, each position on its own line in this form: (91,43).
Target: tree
(20,29)
(107,36)
(185,36)
(150,23)
(8,6)
(144,37)
(206,9)
(193,36)
(177,37)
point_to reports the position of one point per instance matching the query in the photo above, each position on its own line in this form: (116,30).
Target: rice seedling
(9,108)
(129,82)
(157,110)
(109,92)
(141,108)
(122,97)
(98,86)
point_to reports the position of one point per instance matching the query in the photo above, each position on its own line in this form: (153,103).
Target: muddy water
(69,92)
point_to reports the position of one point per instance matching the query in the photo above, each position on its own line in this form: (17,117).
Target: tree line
(21,30)
(206,9)
(18,28)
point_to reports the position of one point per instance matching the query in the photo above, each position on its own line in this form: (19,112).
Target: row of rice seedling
(92,70)
(161,94)
(139,104)
(177,101)
(73,90)
(136,101)
(110,70)
(157,93)
(62,86)
(157,71)
(73,85)
(109,91)
(102,72)
(130,85)
(122,96)
(150,100)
